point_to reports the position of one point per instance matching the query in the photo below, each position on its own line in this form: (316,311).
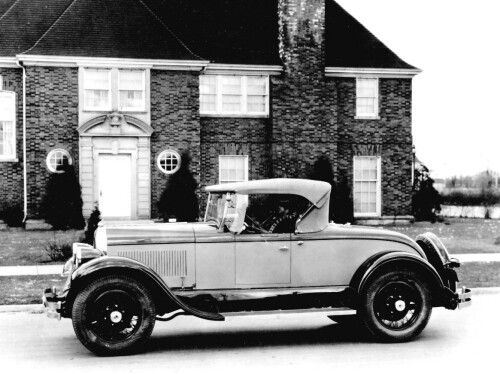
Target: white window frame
(378,203)
(107,108)
(245,165)
(10,117)
(244,97)
(49,159)
(375,114)
(161,156)
(131,109)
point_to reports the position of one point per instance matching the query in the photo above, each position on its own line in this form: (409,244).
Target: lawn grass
(20,247)
(27,289)
(459,235)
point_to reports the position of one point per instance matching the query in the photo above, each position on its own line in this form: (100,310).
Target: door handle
(300,242)
(284,248)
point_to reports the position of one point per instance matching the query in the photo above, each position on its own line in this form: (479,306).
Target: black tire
(113,315)
(395,306)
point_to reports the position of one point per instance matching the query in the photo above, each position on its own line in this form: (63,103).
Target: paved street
(455,341)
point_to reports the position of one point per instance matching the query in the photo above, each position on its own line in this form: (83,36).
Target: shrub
(92,224)
(58,250)
(178,200)
(425,199)
(483,197)
(13,216)
(341,206)
(62,206)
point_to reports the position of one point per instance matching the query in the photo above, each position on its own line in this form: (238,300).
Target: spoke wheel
(113,315)
(396,306)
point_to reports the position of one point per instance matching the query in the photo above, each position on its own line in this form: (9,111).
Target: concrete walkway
(6,271)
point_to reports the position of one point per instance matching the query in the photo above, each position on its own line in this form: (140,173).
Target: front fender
(129,267)
(390,260)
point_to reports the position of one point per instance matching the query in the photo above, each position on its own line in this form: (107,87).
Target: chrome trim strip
(330,311)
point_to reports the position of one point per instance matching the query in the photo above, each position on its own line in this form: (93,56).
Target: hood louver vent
(171,263)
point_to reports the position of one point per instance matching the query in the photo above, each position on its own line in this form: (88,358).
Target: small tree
(425,199)
(178,200)
(92,224)
(341,207)
(62,206)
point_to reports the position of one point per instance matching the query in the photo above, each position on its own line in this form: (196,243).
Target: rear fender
(125,266)
(386,261)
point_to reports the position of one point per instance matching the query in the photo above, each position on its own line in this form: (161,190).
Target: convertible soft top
(312,190)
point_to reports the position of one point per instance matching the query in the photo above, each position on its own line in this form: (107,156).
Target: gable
(350,44)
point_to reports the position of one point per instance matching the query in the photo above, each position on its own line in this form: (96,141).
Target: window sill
(367,215)
(213,115)
(367,117)
(9,159)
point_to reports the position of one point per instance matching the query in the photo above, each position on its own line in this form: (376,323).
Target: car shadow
(331,333)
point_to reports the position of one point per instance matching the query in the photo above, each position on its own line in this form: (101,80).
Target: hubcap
(115,316)
(400,305)
(397,305)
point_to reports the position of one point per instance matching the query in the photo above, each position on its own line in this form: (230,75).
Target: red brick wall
(52,121)
(176,122)
(392,133)
(11,173)
(303,102)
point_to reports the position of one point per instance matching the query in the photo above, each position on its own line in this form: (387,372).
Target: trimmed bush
(426,199)
(13,216)
(178,200)
(483,197)
(92,224)
(62,206)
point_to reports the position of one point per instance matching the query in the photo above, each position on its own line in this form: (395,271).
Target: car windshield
(257,213)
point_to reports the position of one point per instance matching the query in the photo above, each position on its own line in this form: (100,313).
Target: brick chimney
(302,36)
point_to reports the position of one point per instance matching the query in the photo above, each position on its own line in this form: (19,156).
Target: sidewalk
(7,271)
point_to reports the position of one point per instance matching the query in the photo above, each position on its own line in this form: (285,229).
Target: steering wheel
(253,227)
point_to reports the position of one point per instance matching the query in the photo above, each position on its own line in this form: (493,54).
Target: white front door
(115,192)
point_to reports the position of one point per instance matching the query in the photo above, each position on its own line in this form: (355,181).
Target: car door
(262,260)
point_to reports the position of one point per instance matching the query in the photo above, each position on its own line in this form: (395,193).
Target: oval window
(169,161)
(56,159)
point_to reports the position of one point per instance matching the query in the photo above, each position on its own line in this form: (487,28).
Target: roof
(225,31)
(110,28)
(25,21)
(312,190)
(350,44)
(221,31)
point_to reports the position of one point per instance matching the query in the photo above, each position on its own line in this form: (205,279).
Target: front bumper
(464,297)
(53,303)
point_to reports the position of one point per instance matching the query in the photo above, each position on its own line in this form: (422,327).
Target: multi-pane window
(367,97)
(132,89)
(234,95)
(97,89)
(7,125)
(233,169)
(56,159)
(367,185)
(169,161)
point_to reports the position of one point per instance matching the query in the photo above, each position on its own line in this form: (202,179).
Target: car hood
(164,233)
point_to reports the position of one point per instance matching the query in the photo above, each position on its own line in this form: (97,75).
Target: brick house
(252,88)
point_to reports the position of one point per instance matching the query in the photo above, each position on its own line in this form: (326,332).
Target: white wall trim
(243,69)
(370,72)
(72,61)
(8,62)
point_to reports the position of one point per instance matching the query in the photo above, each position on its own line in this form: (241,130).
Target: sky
(456,130)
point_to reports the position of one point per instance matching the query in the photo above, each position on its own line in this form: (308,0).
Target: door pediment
(115,124)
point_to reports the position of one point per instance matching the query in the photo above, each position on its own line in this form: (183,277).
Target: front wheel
(395,306)
(113,315)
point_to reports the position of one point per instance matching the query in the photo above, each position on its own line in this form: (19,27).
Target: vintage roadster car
(265,246)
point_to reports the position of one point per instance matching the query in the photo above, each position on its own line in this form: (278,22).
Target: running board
(330,311)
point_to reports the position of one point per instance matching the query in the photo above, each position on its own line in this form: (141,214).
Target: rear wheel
(395,306)
(113,315)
